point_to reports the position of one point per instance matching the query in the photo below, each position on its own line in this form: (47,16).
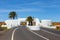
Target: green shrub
(58,28)
(3,28)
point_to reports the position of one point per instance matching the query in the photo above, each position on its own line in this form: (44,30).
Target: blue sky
(42,9)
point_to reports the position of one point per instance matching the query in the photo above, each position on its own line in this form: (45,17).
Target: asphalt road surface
(51,34)
(22,33)
(6,35)
(51,30)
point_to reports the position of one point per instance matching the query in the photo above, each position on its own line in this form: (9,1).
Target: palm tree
(12,15)
(30,20)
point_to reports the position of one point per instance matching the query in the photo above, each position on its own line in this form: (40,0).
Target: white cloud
(22,10)
(53,3)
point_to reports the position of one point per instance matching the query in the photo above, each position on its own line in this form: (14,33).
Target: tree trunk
(31,23)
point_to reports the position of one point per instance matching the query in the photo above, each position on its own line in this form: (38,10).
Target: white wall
(37,21)
(46,22)
(34,27)
(11,23)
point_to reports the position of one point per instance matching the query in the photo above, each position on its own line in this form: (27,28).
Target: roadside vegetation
(3,28)
(57,24)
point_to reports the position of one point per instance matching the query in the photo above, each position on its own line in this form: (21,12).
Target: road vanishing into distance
(22,33)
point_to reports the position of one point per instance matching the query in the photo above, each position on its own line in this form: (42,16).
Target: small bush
(58,28)
(3,28)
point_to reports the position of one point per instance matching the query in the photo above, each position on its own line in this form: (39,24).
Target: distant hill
(55,23)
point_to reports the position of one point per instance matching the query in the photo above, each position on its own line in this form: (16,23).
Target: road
(52,30)
(51,34)
(6,35)
(22,33)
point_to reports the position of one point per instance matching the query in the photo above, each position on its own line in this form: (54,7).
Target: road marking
(50,32)
(12,38)
(38,35)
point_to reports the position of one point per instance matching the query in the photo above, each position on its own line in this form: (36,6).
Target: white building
(46,23)
(22,22)
(11,23)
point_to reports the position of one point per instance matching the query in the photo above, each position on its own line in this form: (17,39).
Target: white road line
(50,32)
(12,38)
(38,35)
